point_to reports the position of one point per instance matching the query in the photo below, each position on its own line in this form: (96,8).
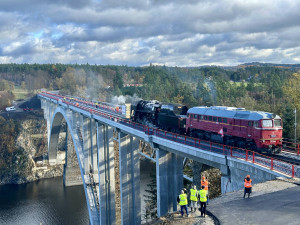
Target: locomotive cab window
(255,124)
(277,123)
(250,123)
(267,123)
(195,116)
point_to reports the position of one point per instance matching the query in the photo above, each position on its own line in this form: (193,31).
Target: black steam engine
(166,116)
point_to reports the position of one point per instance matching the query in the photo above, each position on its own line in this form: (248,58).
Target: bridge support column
(94,150)
(197,168)
(49,109)
(169,180)
(129,160)
(53,130)
(87,144)
(106,174)
(72,175)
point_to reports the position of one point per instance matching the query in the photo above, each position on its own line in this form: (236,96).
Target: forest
(260,87)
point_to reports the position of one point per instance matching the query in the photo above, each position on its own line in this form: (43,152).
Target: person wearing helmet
(248,186)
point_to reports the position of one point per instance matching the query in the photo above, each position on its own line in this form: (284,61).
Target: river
(43,202)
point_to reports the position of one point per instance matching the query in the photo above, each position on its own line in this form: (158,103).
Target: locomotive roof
(232,112)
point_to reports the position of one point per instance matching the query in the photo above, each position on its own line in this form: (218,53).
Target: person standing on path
(203,200)
(205,183)
(248,186)
(183,203)
(193,198)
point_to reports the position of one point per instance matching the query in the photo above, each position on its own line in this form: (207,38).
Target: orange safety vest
(247,183)
(205,184)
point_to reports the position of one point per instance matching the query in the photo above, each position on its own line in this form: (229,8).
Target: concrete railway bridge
(94,131)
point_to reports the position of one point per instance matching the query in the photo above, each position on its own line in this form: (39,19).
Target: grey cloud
(25,49)
(139,32)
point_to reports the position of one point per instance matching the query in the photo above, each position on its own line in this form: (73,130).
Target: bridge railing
(234,152)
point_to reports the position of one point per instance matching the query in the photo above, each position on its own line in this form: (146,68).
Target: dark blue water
(45,202)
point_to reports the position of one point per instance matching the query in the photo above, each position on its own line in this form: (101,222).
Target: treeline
(264,88)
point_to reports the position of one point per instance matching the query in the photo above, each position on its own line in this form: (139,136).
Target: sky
(139,32)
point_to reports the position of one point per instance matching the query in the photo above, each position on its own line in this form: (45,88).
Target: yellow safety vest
(193,196)
(203,197)
(183,199)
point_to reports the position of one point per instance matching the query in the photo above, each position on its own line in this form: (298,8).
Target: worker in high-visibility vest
(183,201)
(193,198)
(248,186)
(203,200)
(205,183)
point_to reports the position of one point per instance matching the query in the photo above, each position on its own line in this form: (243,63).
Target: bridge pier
(106,174)
(49,109)
(129,160)
(169,180)
(72,175)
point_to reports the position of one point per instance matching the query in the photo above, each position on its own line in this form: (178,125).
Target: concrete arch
(55,126)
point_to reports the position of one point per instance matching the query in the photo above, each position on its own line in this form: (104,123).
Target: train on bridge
(257,131)
(254,130)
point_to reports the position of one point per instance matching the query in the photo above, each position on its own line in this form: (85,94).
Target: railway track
(291,160)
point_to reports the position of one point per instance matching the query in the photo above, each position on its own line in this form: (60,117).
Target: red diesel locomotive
(258,131)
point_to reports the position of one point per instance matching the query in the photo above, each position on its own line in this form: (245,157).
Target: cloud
(175,33)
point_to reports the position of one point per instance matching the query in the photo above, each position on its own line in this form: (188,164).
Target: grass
(20,93)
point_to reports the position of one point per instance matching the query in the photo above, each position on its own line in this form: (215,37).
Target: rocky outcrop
(31,143)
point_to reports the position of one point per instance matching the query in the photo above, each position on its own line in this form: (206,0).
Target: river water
(43,202)
(48,202)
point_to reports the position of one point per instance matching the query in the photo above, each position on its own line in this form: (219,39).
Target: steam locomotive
(166,116)
(258,131)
